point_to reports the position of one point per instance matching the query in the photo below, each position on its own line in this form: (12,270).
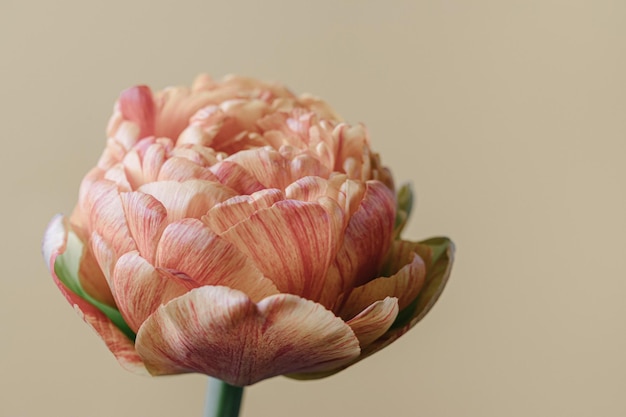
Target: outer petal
(405,283)
(374,321)
(438,254)
(55,244)
(188,246)
(221,332)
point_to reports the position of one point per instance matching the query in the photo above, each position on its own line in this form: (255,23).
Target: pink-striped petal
(374,321)
(140,289)
(221,332)
(137,105)
(107,216)
(55,244)
(182,169)
(234,210)
(146,219)
(92,278)
(236,177)
(275,169)
(191,198)
(104,255)
(368,236)
(292,243)
(438,254)
(191,248)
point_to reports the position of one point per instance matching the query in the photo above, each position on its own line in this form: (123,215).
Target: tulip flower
(238,230)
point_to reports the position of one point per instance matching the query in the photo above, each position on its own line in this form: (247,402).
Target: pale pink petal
(236,177)
(191,198)
(182,169)
(140,289)
(374,321)
(137,105)
(146,218)
(54,244)
(221,332)
(292,243)
(234,210)
(117,175)
(175,106)
(107,216)
(191,248)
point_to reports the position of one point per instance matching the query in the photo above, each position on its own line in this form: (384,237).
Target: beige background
(508,116)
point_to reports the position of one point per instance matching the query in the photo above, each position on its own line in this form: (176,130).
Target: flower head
(237,230)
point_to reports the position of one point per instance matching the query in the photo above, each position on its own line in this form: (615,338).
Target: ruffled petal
(140,289)
(374,321)
(191,248)
(221,332)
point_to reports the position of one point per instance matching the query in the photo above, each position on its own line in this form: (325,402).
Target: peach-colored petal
(225,215)
(137,105)
(182,169)
(140,289)
(368,236)
(374,321)
(146,219)
(104,255)
(347,193)
(405,284)
(191,248)
(92,278)
(292,243)
(275,169)
(236,177)
(191,198)
(439,256)
(221,332)
(55,244)
(107,216)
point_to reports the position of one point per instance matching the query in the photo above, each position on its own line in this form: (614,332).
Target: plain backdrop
(507,116)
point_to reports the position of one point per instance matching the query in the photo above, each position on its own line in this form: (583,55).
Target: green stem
(222,399)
